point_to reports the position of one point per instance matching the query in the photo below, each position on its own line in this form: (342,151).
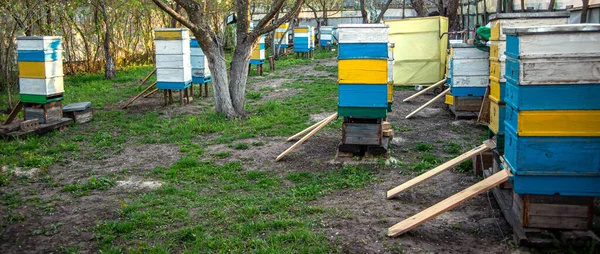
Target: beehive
(173,58)
(258,53)
(282,34)
(199,62)
(311,37)
(552,123)
(301,39)
(326,36)
(390,80)
(40,68)
(363,75)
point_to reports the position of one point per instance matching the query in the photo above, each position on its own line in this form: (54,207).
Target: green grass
(423,147)
(203,207)
(452,148)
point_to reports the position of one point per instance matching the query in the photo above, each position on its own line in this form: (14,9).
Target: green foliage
(423,147)
(452,148)
(465,167)
(240,146)
(253,95)
(84,188)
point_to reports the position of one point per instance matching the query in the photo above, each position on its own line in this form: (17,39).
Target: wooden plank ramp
(424,90)
(428,103)
(14,112)
(310,134)
(487,145)
(447,204)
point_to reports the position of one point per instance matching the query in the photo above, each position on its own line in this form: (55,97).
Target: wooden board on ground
(487,145)
(424,90)
(310,134)
(428,103)
(447,204)
(41,130)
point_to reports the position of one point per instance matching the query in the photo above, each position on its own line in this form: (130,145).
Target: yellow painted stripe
(300,30)
(449,99)
(494,51)
(578,123)
(168,35)
(32,70)
(495,31)
(391,92)
(256,53)
(451,53)
(494,90)
(495,116)
(279,34)
(284,25)
(363,71)
(495,69)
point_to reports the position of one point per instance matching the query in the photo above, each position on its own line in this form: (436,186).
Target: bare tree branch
(176,15)
(383,10)
(297,7)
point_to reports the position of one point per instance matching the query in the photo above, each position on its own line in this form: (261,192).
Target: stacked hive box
(199,62)
(390,70)
(311,38)
(41,77)
(552,125)
(301,39)
(281,34)
(326,36)
(173,63)
(498,61)
(258,53)
(363,60)
(468,71)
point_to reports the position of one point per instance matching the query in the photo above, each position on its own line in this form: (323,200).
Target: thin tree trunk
(499,6)
(419,7)
(522,6)
(363,12)
(551,5)
(173,22)
(383,10)
(239,75)
(403,8)
(584,9)
(109,67)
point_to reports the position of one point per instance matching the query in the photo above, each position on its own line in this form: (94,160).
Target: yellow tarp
(419,52)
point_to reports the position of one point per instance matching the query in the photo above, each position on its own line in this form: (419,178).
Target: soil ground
(476,226)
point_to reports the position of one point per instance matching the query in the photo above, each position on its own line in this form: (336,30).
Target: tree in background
(205,21)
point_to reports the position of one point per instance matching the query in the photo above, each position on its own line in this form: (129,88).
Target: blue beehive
(552,122)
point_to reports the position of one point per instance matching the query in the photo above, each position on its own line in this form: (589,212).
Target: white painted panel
(172,47)
(510,23)
(39,86)
(470,81)
(548,71)
(300,35)
(326,37)
(198,61)
(38,43)
(172,61)
(470,67)
(470,52)
(196,52)
(356,34)
(174,75)
(566,44)
(391,70)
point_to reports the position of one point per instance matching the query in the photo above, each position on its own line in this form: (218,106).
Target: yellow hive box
(494,89)
(580,123)
(497,49)
(449,99)
(40,69)
(496,117)
(362,71)
(300,30)
(496,69)
(171,34)
(495,30)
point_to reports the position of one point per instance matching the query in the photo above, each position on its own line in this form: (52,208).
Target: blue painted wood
(512,46)
(324,43)
(173,85)
(511,117)
(363,51)
(194,43)
(501,117)
(512,69)
(468,91)
(256,62)
(362,95)
(552,97)
(557,185)
(262,46)
(572,156)
(301,40)
(284,46)
(39,55)
(201,80)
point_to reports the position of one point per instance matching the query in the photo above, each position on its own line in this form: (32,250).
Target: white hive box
(369,33)
(37,86)
(45,43)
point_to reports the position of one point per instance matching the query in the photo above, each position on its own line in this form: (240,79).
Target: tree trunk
(383,10)
(419,7)
(453,18)
(584,9)
(218,69)
(239,75)
(109,66)
(363,12)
